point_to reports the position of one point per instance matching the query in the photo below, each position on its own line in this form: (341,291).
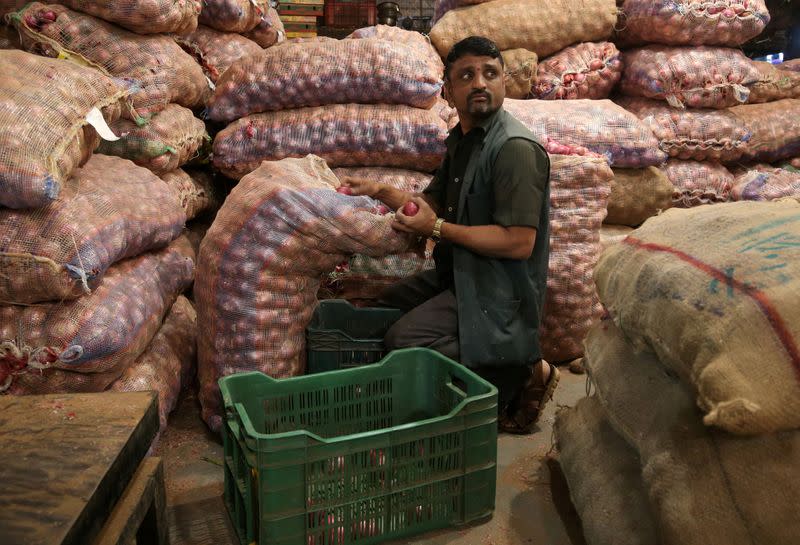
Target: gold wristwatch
(436,236)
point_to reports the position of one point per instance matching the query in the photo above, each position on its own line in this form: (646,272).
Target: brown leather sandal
(529,406)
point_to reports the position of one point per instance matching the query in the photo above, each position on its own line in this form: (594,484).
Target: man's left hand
(421,223)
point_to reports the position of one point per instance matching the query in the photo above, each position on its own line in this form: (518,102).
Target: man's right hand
(361,186)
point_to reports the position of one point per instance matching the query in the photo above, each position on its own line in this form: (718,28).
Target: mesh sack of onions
(765,183)
(215,51)
(142,17)
(233,15)
(269,31)
(195,189)
(775,129)
(588,70)
(698,182)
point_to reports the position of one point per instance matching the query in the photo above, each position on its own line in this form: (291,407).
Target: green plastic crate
(342,336)
(359,456)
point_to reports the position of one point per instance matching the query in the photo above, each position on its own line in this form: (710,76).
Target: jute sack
(705,485)
(637,194)
(541,26)
(613,234)
(604,477)
(714,291)
(520,69)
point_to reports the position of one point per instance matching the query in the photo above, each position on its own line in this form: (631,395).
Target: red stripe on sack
(762,301)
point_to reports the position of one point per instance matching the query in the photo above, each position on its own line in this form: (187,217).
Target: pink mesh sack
(599,125)
(155,66)
(62,251)
(774,84)
(280,230)
(792,65)
(143,17)
(699,134)
(269,31)
(343,135)
(367,71)
(692,22)
(697,182)
(195,190)
(44,131)
(362,277)
(416,41)
(700,77)
(579,192)
(775,129)
(215,51)
(168,361)
(233,15)
(173,137)
(588,70)
(85,344)
(766,183)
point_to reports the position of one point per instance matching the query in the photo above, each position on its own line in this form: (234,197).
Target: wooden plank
(140,514)
(65,460)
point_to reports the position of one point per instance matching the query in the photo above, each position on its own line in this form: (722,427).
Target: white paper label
(95,119)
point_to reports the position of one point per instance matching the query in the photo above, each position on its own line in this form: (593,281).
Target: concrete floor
(532,504)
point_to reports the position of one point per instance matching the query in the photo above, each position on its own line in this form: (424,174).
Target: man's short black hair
(477,46)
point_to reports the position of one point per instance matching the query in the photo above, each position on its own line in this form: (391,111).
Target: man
(487,208)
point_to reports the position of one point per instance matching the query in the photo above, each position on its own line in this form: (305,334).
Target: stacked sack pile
(91,254)
(693,434)
(365,106)
(714,111)
(564,102)
(160,66)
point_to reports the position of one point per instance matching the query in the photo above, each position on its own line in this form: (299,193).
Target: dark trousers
(431,321)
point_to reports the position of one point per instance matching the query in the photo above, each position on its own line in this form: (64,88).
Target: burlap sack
(269,31)
(280,230)
(705,485)
(343,135)
(774,84)
(698,182)
(173,137)
(695,77)
(587,70)
(541,26)
(85,344)
(233,15)
(689,22)
(143,17)
(765,183)
(168,362)
(366,71)
(195,189)
(63,250)
(155,65)
(613,234)
(520,69)
(216,51)
(599,125)
(579,191)
(698,134)
(775,129)
(604,476)
(712,290)
(44,133)
(637,194)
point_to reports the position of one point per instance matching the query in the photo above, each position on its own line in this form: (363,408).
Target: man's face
(476,86)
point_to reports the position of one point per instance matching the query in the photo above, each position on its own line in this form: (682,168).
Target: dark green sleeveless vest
(500,301)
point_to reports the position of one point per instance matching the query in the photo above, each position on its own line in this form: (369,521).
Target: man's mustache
(483,94)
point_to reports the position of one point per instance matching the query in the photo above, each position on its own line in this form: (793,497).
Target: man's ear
(448,96)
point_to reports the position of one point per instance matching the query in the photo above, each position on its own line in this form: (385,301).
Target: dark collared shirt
(519,177)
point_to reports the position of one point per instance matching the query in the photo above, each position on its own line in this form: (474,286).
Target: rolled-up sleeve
(520,176)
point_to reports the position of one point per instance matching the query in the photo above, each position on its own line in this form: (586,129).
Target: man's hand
(421,223)
(361,186)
